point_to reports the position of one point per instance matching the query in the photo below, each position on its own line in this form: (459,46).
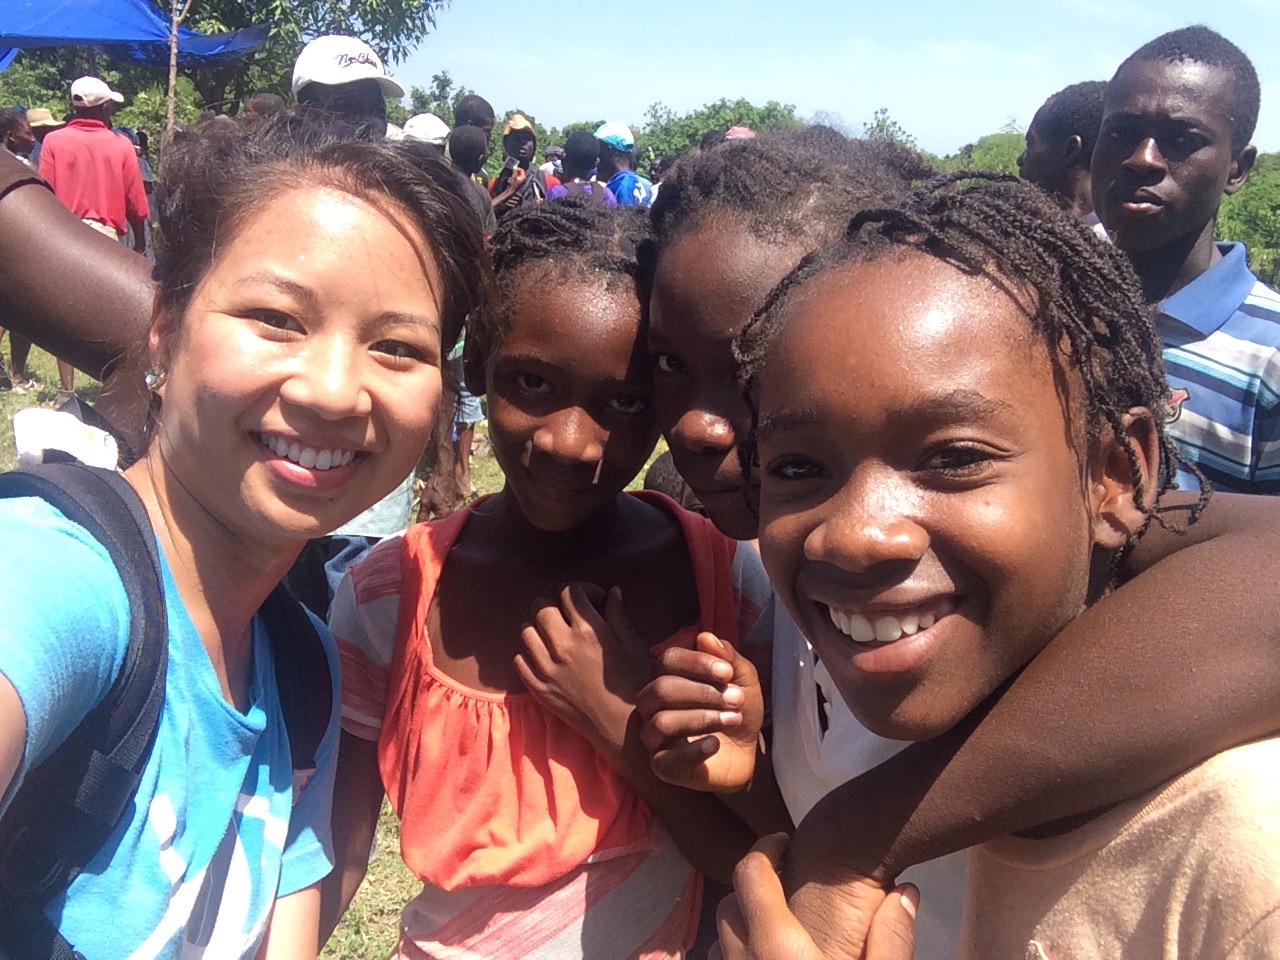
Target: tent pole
(178,10)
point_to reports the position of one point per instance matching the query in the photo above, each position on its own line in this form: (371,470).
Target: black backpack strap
(68,806)
(303,681)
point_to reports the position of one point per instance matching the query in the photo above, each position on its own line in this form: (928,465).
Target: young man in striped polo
(1178,118)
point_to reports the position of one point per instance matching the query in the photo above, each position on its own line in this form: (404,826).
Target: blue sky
(948,71)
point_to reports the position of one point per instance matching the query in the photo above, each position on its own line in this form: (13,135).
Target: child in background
(495,701)
(935,527)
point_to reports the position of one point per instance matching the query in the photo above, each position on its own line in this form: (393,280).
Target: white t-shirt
(809,763)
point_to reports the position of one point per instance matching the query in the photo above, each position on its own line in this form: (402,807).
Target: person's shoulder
(48,532)
(1263,302)
(1229,802)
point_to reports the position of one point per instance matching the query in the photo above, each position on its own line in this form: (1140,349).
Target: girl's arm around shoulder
(1173,667)
(64,625)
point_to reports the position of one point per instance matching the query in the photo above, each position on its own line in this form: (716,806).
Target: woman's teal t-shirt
(216,830)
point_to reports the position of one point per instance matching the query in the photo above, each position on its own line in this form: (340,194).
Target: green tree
(884,127)
(41,78)
(997,152)
(392,27)
(1252,216)
(441,98)
(665,132)
(558,135)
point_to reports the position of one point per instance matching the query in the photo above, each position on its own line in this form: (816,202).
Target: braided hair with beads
(552,242)
(1089,310)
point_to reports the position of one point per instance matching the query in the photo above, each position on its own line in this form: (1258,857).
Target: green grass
(371,926)
(44,368)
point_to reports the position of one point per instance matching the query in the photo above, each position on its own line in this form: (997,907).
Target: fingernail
(730,718)
(708,746)
(721,670)
(910,900)
(734,696)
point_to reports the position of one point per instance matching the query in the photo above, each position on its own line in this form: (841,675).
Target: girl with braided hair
(492,658)
(958,420)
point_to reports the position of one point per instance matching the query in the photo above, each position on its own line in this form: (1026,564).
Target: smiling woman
(307,290)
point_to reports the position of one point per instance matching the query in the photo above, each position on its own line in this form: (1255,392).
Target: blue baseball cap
(617,135)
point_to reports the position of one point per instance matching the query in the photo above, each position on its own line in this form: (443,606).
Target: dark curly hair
(800,185)
(1089,313)
(555,241)
(218,176)
(1199,44)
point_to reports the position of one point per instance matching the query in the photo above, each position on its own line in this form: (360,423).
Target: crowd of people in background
(903,651)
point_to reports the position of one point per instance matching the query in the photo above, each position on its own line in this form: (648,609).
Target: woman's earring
(155,377)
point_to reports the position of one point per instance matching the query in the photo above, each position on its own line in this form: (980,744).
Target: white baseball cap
(428,128)
(92,92)
(336,59)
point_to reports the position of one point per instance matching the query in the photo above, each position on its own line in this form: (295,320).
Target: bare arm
(76,294)
(1179,663)
(291,933)
(357,800)
(13,733)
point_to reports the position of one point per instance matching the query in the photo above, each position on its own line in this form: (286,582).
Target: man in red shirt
(94,172)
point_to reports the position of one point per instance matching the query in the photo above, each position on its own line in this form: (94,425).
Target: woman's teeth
(308,457)
(885,628)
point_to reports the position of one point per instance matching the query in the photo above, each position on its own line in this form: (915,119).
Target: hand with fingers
(701,717)
(755,922)
(585,666)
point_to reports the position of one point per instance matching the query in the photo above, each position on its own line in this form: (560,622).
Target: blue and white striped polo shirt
(1221,336)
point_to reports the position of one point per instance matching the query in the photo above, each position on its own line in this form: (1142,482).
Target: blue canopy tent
(134,31)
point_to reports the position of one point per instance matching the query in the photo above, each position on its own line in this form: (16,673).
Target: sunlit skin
(915,456)
(1163,163)
(709,281)
(318,324)
(570,428)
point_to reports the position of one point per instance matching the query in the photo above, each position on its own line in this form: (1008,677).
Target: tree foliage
(665,132)
(392,27)
(441,98)
(884,127)
(997,152)
(1252,216)
(42,78)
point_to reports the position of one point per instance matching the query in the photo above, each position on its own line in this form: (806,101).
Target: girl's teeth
(888,629)
(323,460)
(860,628)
